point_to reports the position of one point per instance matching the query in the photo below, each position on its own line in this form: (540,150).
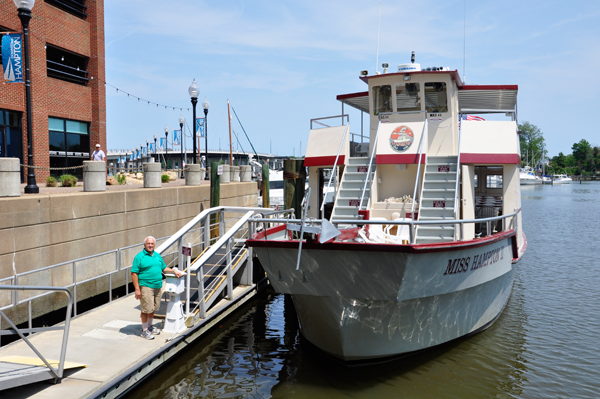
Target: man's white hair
(153,239)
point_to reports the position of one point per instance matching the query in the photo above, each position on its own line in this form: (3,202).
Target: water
(545,344)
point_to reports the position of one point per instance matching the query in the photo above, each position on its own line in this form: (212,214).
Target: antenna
(464,36)
(378,26)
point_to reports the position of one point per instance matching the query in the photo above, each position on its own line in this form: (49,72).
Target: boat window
(436,99)
(476,180)
(494,181)
(382,99)
(407,97)
(276,184)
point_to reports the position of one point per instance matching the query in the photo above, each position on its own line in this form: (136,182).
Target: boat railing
(323,125)
(334,167)
(412,224)
(418,178)
(360,204)
(55,373)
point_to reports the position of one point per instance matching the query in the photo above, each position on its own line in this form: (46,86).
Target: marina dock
(107,341)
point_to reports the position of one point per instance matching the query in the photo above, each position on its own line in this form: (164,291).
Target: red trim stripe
(398,159)
(323,161)
(352,95)
(490,158)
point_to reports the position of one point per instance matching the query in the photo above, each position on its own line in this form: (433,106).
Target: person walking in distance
(146,275)
(98,155)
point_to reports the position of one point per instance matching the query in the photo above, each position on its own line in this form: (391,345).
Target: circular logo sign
(401,138)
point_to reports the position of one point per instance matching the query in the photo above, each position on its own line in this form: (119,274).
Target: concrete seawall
(47,229)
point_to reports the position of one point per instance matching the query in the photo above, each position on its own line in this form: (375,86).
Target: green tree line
(585,159)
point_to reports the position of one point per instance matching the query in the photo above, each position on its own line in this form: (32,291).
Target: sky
(282,63)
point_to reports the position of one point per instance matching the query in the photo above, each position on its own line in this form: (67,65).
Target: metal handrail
(411,223)
(418,178)
(58,373)
(334,166)
(456,185)
(360,204)
(329,117)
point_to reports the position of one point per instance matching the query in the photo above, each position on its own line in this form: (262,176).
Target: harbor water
(546,344)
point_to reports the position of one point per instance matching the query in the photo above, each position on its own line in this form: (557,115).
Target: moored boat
(425,232)
(561,179)
(528,177)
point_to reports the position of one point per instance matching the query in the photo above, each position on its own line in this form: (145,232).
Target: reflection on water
(545,344)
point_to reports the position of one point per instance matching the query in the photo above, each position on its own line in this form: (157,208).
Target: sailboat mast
(230,148)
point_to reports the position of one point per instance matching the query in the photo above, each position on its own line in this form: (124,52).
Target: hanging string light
(148,101)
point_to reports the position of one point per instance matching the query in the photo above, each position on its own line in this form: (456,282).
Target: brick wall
(54,97)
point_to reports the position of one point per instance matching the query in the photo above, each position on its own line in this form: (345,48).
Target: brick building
(66,42)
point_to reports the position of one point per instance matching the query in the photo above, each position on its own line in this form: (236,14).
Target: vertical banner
(162,144)
(144,151)
(138,154)
(199,127)
(151,148)
(131,156)
(176,137)
(12,60)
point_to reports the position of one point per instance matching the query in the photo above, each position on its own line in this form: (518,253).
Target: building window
(64,65)
(407,97)
(11,136)
(69,145)
(73,7)
(382,99)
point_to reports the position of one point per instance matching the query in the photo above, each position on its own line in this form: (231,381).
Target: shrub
(164,178)
(50,181)
(121,178)
(68,181)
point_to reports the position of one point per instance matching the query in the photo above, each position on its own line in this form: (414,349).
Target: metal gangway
(219,275)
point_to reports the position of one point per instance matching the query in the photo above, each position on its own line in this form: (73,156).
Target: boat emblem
(401,138)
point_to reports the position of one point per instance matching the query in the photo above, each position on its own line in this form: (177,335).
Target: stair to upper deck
(438,199)
(348,200)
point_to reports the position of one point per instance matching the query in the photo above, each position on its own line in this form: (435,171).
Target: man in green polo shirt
(146,275)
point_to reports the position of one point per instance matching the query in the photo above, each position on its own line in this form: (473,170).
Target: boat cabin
(436,150)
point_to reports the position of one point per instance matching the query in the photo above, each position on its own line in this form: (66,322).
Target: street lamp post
(181,120)
(205,105)
(193,90)
(147,150)
(155,149)
(24,8)
(166,146)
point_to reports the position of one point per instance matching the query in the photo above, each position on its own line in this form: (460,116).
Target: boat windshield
(407,97)
(436,99)
(276,184)
(382,99)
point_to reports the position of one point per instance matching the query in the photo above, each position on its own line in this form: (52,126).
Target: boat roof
(471,98)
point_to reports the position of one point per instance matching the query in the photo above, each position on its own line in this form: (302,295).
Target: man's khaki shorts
(150,300)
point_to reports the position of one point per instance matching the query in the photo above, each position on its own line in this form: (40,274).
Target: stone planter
(194,175)
(94,176)
(245,173)
(152,175)
(235,173)
(10,177)
(226,176)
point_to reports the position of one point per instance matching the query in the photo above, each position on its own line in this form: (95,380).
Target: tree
(582,152)
(532,144)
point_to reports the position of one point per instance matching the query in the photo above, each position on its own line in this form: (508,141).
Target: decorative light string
(144,100)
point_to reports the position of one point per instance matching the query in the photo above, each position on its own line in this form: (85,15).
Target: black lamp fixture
(155,149)
(193,90)
(181,120)
(24,8)
(147,149)
(205,105)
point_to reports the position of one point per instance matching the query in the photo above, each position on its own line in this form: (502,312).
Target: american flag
(472,118)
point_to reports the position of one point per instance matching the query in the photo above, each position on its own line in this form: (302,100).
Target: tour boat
(425,233)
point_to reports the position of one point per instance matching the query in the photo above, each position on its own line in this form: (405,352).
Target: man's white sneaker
(154,330)
(147,334)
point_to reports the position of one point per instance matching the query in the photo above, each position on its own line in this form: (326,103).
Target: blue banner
(162,144)
(12,60)
(131,156)
(151,148)
(144,151)
(176,137)
(200,127)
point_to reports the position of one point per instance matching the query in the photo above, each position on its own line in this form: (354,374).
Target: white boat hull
(375,301)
